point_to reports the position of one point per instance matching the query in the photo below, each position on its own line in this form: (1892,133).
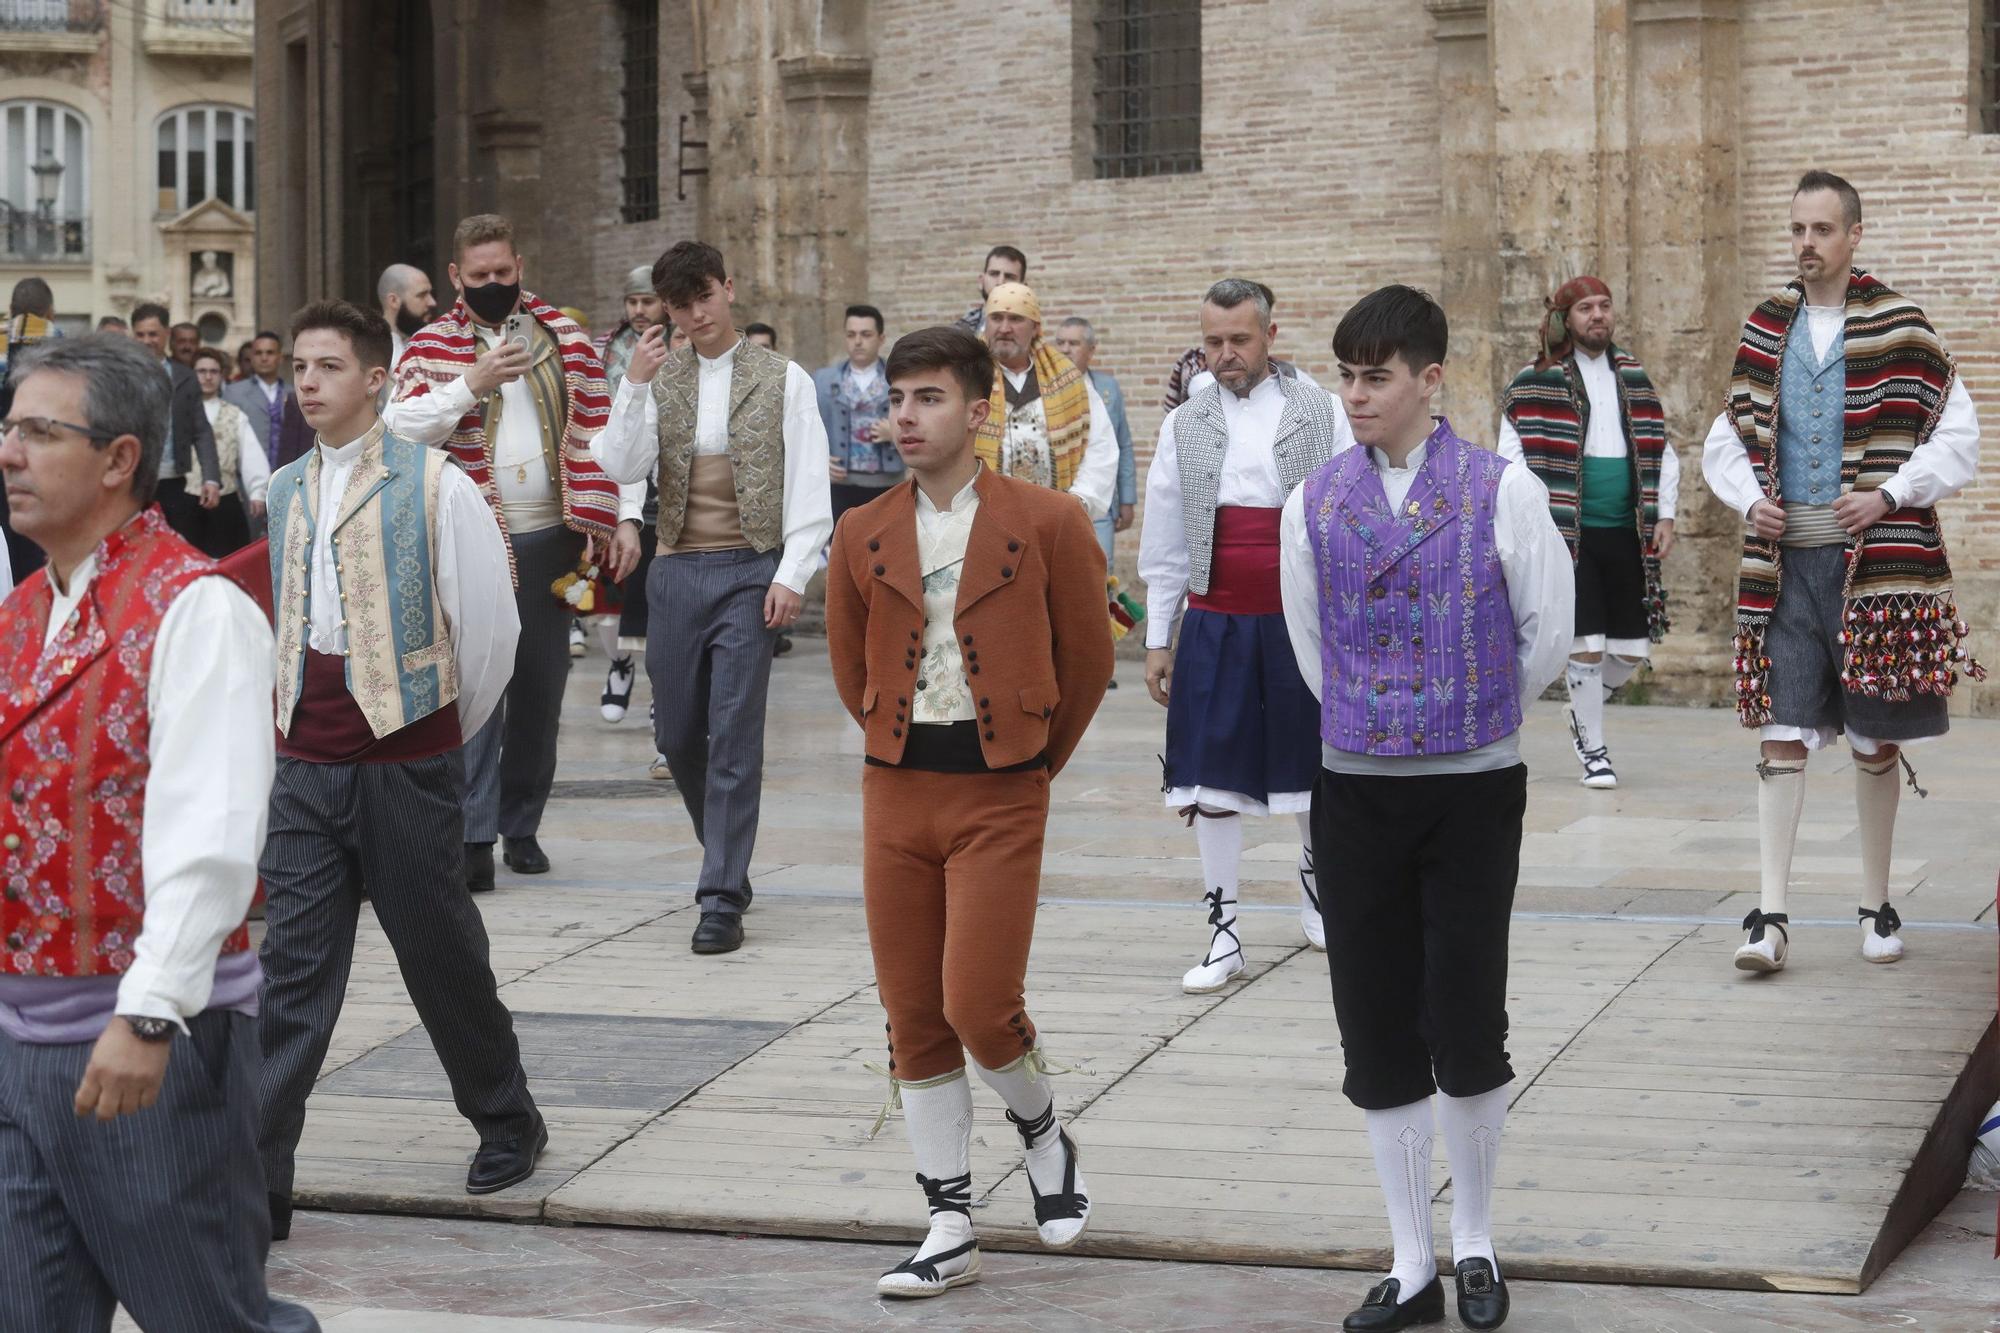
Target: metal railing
(212,13)
(30,237)
(45,16)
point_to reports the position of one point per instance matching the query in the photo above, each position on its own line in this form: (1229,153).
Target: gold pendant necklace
(521,474)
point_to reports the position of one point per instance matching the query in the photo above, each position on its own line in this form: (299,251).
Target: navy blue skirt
(1240,717)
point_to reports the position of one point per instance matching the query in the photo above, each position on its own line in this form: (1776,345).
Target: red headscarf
(1555,326)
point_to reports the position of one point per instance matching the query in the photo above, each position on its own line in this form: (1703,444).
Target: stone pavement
(727,1094)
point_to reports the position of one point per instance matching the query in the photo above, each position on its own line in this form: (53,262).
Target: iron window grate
(640,114)
(1147,91)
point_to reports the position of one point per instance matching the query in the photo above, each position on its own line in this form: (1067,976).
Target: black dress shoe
(1482,1295)
(505,1162)
(524,856)
(281,1216)
(1382,1311)
(479,867)
(719,932)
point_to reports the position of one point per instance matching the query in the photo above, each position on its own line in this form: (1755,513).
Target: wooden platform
(1673,1121)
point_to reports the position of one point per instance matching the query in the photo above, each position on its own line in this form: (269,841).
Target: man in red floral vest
(128,1050)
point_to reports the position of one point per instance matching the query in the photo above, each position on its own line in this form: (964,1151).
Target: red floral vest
(74,734)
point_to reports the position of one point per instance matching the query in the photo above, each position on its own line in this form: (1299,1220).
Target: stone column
(1469,230)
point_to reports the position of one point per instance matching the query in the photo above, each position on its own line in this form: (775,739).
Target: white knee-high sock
(1307,865)
(1876,795)
(1781,799)
(1618,670)
(937,1114)
(1401,1138)
(1025,1088)
(1471,1128)
(1586,700)
(607,636)
(1220,842)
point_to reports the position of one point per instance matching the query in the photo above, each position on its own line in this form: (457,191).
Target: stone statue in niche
(213,275)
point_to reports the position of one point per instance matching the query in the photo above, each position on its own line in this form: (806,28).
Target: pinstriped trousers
(708,656)
(163,1210)
(394,829)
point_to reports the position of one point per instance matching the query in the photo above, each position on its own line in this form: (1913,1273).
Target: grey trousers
(708,656)
(393,829)
(1803,643)
(511,764)
(162,1211)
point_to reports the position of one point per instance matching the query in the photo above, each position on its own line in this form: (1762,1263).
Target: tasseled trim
(1753,677)
(1900,645)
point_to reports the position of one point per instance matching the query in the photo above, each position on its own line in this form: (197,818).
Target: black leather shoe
(479,867)
(1482,1295)
(505,1162)
(524,856)
(719,932)
(281,1216)
(1381,1310)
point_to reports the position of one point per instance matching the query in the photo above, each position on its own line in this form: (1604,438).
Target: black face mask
(493,301)
(408,321)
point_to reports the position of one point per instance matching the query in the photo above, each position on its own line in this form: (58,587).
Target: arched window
(206,152)
(44,134)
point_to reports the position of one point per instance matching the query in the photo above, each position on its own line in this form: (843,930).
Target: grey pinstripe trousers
(708,656)
(162,1211)
(397,830)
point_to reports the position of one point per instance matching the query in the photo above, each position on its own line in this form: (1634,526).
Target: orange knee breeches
(951,869)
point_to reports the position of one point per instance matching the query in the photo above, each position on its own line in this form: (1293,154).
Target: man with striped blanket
(1846,425)
(1584,418)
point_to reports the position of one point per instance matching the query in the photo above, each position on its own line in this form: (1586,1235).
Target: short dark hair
(682,275)
(1850,198)
(185,324)
(32,297)
(111,322)
(268,333)
(123,394)
(367,332)
(945,347)
(865,312)
(150,310)
(1393,321)
(215,354)
(752,330)
(1007,252)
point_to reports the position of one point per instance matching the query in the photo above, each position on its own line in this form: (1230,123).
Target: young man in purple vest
(1427,595)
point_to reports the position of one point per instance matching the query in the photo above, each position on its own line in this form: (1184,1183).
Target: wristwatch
(149,1029)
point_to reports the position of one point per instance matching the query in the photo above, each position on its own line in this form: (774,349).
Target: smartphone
(515,330)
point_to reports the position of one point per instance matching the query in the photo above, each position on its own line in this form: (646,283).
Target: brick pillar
(1469,229)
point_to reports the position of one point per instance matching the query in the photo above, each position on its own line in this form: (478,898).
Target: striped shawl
(1550,410)
(1065,405)
(445,350)
(1902,632)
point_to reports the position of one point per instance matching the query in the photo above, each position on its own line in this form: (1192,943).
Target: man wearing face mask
(514,391)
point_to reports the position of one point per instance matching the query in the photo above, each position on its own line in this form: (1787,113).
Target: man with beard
(404,294)
(1003,264)
(1585,419)
(514,391)
(1847,424)
(1047,423)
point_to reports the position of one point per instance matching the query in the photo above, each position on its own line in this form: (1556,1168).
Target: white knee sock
(1306,864)
(1586,700)
(1220,842)
(1877,792)
(1401,1138)
(1618,670)
(607,636)
(1781,799)
(937,1114)
(1471,1128)
(1028,1095)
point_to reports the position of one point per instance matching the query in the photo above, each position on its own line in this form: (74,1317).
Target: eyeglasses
(42,430)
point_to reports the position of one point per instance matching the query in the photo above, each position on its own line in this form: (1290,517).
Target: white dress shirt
(253,470)
(628,449)
(1606,436)
(1249,478)
(1936,470)
(942,692)
(1203,378)
(1534,561)
(212,755)
(6,572)
(1097,475)
(475,591)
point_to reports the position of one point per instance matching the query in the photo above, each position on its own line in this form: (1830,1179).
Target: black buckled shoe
(524,856)
(505,1162)
(719,932)
(479,867)
(1482,1296)
(281,1216)
(1383,1311)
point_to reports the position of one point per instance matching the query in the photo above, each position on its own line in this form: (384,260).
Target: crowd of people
(1349,610)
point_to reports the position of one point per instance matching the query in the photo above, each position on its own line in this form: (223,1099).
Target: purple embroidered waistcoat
(1416,633)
